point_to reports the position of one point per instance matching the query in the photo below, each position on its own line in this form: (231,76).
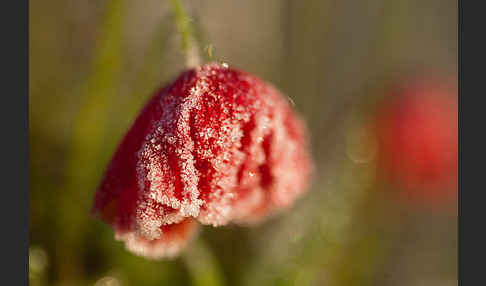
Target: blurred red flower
(417,129)
(216,146)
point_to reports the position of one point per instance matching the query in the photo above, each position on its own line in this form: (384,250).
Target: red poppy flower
(216,146)
(417,135)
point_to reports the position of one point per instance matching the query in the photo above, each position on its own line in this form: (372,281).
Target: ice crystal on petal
(175,238)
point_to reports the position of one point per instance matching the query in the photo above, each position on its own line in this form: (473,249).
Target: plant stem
(203,266)
(189,44)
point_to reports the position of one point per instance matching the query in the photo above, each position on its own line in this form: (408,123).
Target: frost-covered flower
(216,146)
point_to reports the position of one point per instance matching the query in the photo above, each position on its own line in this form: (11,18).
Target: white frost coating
(243,209)
(153,165)
(163,248)
(148,217)
(171,137)
(218,210)
(253,200)
(289,184)
(148,227)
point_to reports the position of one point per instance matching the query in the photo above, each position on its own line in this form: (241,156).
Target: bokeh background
(94,63)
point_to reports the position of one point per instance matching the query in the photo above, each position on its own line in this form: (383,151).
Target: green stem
(189,44)
(203,266)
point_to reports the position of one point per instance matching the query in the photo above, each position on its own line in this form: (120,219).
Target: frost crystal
(216,146)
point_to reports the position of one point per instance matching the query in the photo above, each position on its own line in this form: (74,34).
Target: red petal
(175,237)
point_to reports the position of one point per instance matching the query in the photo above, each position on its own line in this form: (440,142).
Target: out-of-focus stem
(203,266)
(189,44)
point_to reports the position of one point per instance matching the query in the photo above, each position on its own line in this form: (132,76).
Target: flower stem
(189,44)
(203,266)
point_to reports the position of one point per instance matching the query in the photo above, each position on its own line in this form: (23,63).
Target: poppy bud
(416,127)
(216,146)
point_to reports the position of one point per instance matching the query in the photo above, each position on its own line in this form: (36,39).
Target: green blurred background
(94,63)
